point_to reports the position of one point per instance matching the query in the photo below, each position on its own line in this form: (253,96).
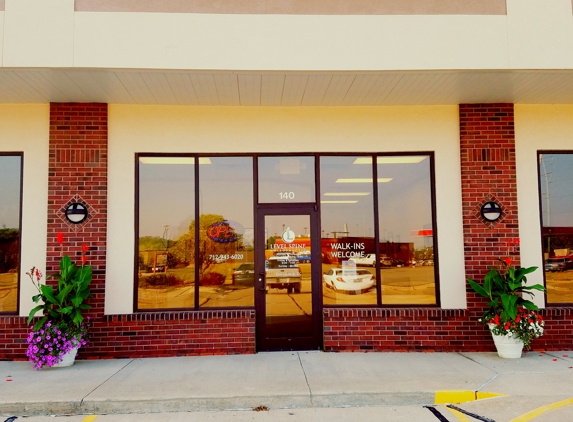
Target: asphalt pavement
(481,384)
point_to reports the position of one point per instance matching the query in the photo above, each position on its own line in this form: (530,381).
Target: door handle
(262,282)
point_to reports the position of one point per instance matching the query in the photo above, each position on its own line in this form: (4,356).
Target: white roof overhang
(254,88)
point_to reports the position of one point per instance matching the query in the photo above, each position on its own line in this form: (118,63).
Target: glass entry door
(288,286)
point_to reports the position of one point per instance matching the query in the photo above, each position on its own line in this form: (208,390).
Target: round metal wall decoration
(76,212)
(490,211)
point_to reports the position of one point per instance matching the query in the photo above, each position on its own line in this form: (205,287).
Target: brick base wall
(173,334)
(429,330)
(150,335)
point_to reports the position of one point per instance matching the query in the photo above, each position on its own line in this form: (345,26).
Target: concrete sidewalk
(278,380)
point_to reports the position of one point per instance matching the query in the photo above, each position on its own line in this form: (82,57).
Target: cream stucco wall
(548,127)
(533,35)
(25,128)
(289,42)
(303,129)
(540,34)
(38,33)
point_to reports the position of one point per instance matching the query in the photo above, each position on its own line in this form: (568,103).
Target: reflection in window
(406,230)
(166,245)
(347,232)
(556,184)
(226,237)
(286,179)
(10,182)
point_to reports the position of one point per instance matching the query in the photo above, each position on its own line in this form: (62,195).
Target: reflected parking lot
(559,287)
(400,285)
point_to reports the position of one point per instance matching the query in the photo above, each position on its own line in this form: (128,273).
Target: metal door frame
(265,343)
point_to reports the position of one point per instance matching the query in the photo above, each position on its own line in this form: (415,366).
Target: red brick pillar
(78,173)
(487,141)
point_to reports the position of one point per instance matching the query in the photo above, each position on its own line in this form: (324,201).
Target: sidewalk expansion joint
(484,366)
(305,378)
(106,380)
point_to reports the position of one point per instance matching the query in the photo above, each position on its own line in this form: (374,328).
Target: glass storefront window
(406,230)
(286,179)
(347,233)
(556,196)
(10,200)
(166,244)
(373,251)
(226,232)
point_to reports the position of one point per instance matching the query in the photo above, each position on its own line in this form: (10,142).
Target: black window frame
(317,156)
(20,213)
(541,226)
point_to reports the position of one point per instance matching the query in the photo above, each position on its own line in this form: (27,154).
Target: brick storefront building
(391,146)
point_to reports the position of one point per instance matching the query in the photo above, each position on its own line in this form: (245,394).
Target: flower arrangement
(48,345)
(508,312)
(527,325)
(62,326)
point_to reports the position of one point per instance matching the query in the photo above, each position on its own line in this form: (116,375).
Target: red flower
(507,261)
(85,248)
(60,238)
(516,241)
(84,259)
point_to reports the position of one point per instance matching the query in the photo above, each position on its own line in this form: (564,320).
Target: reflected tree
(216,240)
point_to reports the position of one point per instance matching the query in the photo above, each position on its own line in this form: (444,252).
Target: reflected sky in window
(556,177)
(10,174)
(405,203)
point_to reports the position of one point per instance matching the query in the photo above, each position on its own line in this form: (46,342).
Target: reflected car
(348,280)
(285,255)
(282,272)
(558,264)
(386,263)
(244,274)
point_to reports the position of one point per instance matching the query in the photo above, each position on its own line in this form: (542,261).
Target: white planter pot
(68,359)
(508,347)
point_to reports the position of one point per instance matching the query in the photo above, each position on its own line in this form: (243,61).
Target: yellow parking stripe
(461,417)
(462,396)
(454,396)
(536,412)
(90,418)
(480,395)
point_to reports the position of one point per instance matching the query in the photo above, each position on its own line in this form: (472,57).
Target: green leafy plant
(64,303)
(505,287)
(509,312)
(61,329)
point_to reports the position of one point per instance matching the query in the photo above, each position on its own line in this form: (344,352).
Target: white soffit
(285,89)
